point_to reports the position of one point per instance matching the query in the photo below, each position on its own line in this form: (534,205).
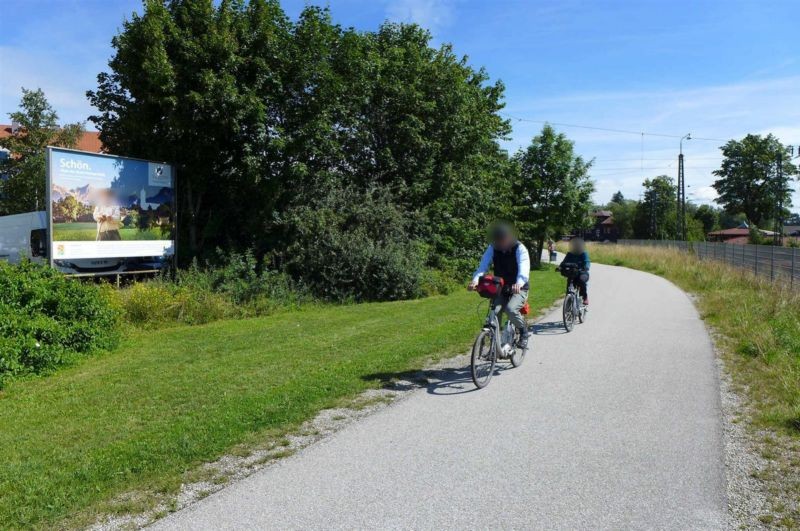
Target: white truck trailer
(24,236)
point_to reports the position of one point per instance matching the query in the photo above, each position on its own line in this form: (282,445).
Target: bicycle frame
(571,287)
(494,325)
(501,344)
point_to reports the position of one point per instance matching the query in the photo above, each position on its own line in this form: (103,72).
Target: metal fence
(778,264)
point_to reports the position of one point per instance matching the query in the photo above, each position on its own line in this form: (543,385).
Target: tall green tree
(655,214)
(624,212)
(708,216)
(748,180)
(265,117)
(552,189)
(197,85)
(23,189)
(617,197)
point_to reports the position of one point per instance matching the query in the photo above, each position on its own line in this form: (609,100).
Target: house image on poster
(143,204)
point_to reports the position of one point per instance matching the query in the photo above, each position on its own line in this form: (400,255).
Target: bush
(234,285)
(436,282)
(353,246)
(46,319)
(159,303)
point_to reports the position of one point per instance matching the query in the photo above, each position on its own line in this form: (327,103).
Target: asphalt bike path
(615,425)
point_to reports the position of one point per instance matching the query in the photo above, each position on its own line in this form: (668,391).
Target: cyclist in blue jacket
(579,256)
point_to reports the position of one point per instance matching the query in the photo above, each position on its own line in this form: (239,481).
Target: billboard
(103,206)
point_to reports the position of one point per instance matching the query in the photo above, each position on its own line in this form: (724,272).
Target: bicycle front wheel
(519,355)
(569,312)
(483,359)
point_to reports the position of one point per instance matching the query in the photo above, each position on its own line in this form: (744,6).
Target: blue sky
(716,68)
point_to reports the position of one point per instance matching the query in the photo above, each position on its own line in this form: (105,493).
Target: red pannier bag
(526,309)
(489,286)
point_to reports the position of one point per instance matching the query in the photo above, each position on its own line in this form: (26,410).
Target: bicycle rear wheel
(483,359)
(569,312)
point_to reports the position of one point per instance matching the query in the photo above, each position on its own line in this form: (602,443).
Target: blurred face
(576,246)
(106,198)
(504,242)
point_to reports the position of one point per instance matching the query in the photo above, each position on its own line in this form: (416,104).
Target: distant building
(603,229)
(89,141)
(737,236)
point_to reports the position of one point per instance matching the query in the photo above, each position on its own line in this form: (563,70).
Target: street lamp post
(682,192)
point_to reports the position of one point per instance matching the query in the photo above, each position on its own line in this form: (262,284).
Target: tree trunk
(194,205)
(536,259)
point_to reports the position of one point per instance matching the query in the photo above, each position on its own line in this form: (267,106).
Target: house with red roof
(89,140)
(738,236)
(603,229)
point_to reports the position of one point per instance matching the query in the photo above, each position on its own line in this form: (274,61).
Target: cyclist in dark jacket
(579,256)
(509,259)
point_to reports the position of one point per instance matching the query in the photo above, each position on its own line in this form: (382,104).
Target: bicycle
(495,341)
(573,308)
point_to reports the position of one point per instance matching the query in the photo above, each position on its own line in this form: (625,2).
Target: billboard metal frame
(49,190)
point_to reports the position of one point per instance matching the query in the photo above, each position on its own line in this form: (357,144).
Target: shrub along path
(168,400)
(614,426)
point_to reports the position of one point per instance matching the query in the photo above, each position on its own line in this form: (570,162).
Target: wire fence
(778,264)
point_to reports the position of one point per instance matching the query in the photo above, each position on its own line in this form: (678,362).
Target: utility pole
(777,238)
(681,218)
(653,215)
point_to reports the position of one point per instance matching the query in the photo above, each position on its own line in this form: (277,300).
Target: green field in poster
(87,232)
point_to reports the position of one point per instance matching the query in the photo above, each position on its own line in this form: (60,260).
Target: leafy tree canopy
(552,190)
(708,217)
(656,213)
(265,117)
(23,188)
(747,180)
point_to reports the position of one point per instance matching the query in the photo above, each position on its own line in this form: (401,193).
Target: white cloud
(703,194)
(430,14)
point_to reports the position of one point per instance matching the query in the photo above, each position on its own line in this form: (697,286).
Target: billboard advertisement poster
(103,206)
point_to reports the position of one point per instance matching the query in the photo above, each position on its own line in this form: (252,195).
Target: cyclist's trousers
(512,306)
(581,287)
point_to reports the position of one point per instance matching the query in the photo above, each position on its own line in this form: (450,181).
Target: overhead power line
(657,159)
(608,129)
(654,168)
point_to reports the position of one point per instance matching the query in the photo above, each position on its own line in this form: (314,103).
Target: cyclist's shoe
(522,342)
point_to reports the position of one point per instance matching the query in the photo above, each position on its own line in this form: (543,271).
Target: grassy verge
(168,400)
(759,337)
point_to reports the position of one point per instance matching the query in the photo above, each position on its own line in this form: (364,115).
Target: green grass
(759,337)
(141,417)
(87,231)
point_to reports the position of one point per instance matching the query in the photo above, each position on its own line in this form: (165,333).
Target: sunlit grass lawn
(168,400)
(87,231)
